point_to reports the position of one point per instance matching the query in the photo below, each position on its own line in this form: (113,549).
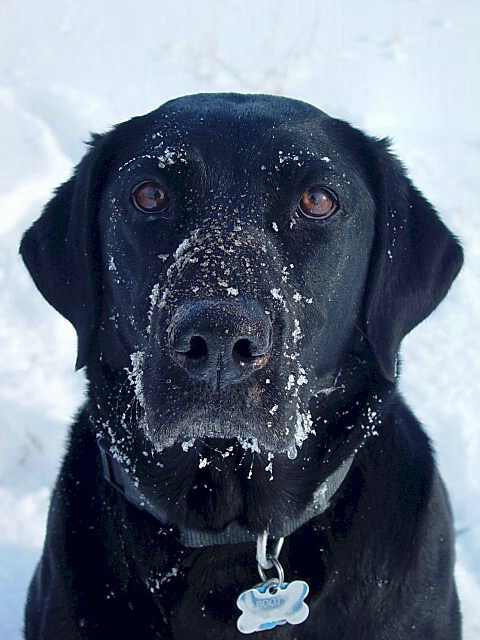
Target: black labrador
(241,271)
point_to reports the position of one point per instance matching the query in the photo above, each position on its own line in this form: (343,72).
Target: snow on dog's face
(235,250)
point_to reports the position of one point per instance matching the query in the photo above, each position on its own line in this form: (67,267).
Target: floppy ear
(61,251)
(415,259)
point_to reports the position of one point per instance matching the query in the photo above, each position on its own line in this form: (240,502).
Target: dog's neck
(234,533)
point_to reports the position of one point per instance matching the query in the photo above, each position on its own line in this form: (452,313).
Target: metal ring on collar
(278,567)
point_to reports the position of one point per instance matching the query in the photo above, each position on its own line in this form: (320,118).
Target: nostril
(247,352)
(242,350)
(198,348)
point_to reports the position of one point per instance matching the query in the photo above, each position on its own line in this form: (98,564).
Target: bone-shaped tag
(271,604)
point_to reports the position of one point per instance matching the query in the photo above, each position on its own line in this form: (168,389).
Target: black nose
(220,342)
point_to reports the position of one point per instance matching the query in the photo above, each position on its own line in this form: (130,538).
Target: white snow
(135,375)
(405,69)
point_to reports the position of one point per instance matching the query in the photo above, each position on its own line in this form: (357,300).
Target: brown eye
(151,197)
(318,203)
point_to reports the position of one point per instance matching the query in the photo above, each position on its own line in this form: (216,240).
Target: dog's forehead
(215,125)
(236,111)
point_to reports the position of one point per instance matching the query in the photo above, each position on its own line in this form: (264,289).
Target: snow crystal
(292,452)
(135,375)
(290,383)
(251,444)
(302,379)
(288,158)
(154,582)
(188,444)
(169,156)
(277,295)
(185,245)
(154,297)
(269,467)
(303,427)
(297,334)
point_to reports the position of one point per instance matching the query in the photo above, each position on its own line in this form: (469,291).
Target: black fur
(257,335)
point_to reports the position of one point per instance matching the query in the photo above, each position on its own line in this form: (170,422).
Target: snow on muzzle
(220,342)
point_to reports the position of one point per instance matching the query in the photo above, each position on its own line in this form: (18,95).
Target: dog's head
(233,252)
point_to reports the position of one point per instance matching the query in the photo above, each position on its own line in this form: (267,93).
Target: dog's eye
(151,197)
(318,203)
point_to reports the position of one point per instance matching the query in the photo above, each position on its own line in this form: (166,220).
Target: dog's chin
(283,434)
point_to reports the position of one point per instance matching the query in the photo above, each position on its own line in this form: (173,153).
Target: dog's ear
(61,250)
(414,261)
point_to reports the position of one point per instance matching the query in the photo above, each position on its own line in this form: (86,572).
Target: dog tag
(272,603)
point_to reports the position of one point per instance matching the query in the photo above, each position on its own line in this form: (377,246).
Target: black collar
(234,533)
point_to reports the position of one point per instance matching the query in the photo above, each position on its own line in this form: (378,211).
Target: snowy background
(405,68)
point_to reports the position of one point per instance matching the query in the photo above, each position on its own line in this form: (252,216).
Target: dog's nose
(220,342)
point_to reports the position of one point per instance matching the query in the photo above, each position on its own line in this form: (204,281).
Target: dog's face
(233,253)
(235,244)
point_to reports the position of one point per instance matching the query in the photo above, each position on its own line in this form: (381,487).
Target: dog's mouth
(279,429)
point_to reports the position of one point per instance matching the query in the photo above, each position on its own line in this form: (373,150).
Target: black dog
(241,271)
